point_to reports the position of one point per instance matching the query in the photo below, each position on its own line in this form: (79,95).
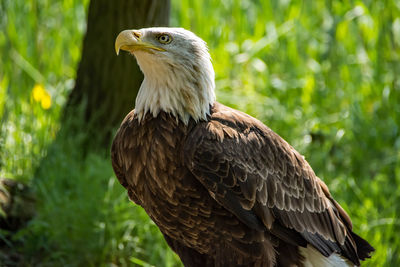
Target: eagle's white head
(178,74)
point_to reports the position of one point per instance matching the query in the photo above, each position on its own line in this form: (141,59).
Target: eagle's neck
(183,91)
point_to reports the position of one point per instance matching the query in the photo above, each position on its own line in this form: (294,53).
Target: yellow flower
(46,101)
(40,94)
(37,92)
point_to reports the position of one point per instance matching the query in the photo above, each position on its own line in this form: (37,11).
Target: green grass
(323,74)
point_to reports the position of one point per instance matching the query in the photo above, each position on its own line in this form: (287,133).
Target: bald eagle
(223,188)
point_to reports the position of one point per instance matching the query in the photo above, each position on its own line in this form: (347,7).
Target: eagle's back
(148,160)
(230,192)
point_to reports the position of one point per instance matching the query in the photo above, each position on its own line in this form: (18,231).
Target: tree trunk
(106,85)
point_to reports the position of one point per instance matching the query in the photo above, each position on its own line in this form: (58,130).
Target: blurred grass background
(322,74)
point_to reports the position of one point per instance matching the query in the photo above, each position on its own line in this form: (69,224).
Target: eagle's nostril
(137,34)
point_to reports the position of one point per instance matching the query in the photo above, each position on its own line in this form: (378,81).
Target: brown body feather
(229,191)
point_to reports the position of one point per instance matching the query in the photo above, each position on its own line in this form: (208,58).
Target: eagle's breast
(157,179)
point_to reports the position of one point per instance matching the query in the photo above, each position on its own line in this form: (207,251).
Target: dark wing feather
(261,179)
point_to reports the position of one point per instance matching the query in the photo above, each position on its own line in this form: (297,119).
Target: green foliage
(323,74)
(39,45)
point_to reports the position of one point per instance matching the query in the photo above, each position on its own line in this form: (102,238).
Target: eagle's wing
(260,178)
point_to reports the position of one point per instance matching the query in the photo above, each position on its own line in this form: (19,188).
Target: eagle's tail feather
(364,249)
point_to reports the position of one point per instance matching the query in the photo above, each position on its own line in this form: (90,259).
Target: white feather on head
(178,80)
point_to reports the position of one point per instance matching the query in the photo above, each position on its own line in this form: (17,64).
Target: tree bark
(106,85)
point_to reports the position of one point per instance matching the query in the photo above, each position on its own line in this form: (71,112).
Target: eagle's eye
(164,38)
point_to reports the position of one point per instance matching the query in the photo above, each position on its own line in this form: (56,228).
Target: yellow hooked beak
(130,40)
